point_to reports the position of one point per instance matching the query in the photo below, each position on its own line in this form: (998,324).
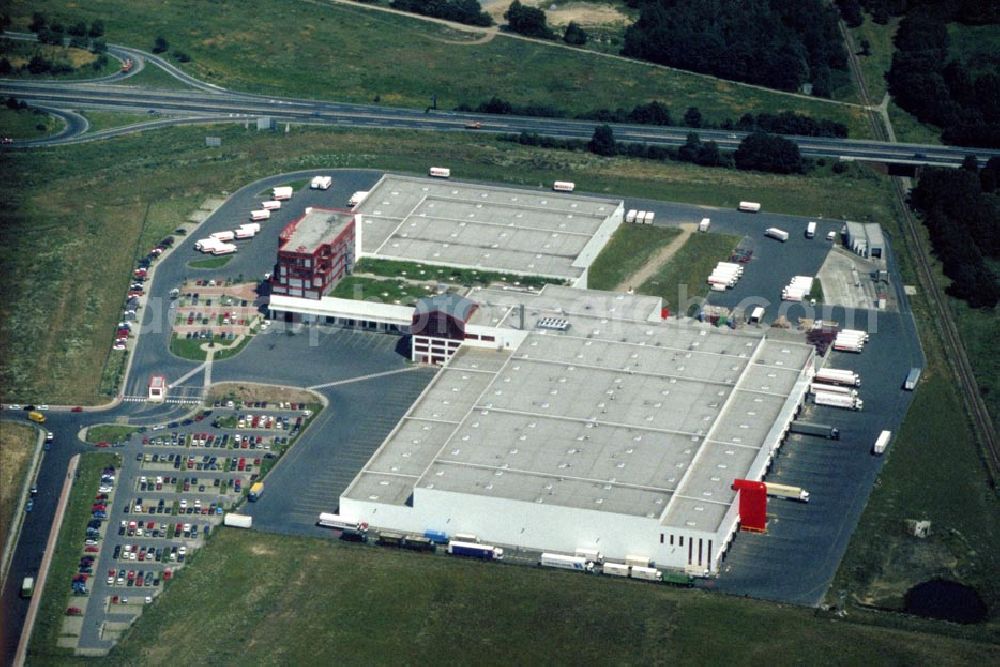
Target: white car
(149,598)
(13,406)
(105,489)
(158,427)
(183,504)
(111,580)
(182,551)
(43,407)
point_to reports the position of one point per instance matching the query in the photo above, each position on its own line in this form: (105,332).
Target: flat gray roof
(640,418)
(315,227)
(477,226)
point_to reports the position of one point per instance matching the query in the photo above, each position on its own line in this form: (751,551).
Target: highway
(211,104)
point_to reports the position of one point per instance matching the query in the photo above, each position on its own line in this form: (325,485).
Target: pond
(946,600)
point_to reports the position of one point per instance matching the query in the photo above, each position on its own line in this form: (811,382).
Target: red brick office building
(314,252)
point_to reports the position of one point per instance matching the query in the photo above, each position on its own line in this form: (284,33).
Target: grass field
(27,123)
(57,304)
(213,263)
(628,251)
(103,120)
(979,331)
(19,53)
(385,290)
(352,53)
(17,445)
(110,433)
(910,130)
(875,66)
(57,594)
(190,348)
(377,606)
(389,268)
(683,277)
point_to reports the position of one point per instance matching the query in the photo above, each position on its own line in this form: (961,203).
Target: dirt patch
(17,443)
(261,550)
(237,391)
(583,13)
(649,269)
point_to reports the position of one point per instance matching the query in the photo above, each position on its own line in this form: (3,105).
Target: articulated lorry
(256,491)
(838,376)
(838,400)
(282,193)
(784,491)
(474,550)
(833,389)
(776,233)
(237,520)
(821,430)
(881,443)
(321,182)
(564,562)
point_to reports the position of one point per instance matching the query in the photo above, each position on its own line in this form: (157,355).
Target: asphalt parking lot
(174,484)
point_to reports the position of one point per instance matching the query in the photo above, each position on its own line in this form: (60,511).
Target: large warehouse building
(519,232)
(572,419)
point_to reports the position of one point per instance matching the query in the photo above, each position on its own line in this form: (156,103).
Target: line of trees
(468,12)
(961,209)
(657,113)
(759,151)
(773,43)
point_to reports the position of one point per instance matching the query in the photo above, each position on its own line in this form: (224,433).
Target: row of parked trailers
(724,276)
(633,216)
(584,560)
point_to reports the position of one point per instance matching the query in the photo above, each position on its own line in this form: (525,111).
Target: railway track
(955,353)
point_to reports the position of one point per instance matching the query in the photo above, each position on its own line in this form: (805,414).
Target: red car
(74,611)
(103,444)
(167,574)
(91,550)
(78,408)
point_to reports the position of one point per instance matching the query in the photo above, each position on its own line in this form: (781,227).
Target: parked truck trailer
(821,430)
(838,400)
(749,207)
(838,376)
(237,520)
(474,550)
(564,562)
(645,573)
(881,443)
(282,193)
(776,233)
(785,491)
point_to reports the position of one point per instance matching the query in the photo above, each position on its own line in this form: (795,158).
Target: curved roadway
(213,103)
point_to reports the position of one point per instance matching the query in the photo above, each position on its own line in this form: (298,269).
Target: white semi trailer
(838,400)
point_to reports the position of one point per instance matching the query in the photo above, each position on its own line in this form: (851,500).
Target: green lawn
(57,595)
(628,251)
(190,348)
(110,433)
(379,290)
(909,130)
(977,46)
(27,123)
(875,66)
(683,278)
(57,304)
(322,601)
(151,76)
(103,120)
(389,268)
(352,53)
(979,328)
(213,263)
(17,446)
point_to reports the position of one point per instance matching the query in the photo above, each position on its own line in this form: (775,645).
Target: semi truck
(237,520)
(271,205)
(645,573)
(838,401)
(256,491)
(785,491)
(776,233)
(810,229)
(223,236)
(439,172)
(833,389)
(592,555)
(911,379)
(563,186)
(615,569)
(242,233)
(704,224)
(881,442)
(637,561)
(357,198)
(474,550)
(321,183)
(282,193)
(260,214)
(27,587)
(821,430)
(564,562)
(838,376)
(252,226)
(224,249)
(749,207)
(329,520)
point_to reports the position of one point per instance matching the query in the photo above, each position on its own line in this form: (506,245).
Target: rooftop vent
(552,323)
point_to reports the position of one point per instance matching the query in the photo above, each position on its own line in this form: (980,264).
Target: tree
(603,141)
(767,152)
(38,21)
(692,117)
(575,34)
(38,65)
(78,29)
(97,28)
(5,66)
(160,45)
(970,164)
(98,46)
(4,21)
(866,47)
(850,11)
(527,21)
(182,57)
